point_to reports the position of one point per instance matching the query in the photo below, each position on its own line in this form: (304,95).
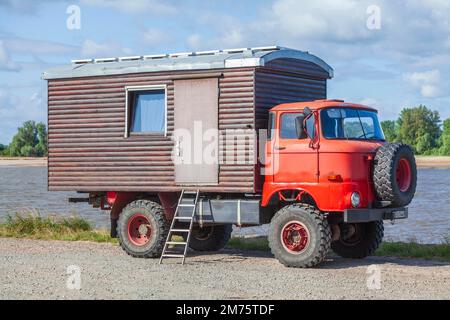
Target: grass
(387,249)
(34,226)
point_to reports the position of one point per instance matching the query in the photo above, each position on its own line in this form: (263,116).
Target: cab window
(288,129)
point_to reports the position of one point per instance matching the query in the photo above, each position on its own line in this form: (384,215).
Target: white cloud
(194,41)
(31,46)
(154,36)
(16,108)
(134,6)
(428,82)
(6,63)
(91,48)
(334,20)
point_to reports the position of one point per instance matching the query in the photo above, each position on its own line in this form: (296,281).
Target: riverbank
(77,229)
(23,162)
(423,162)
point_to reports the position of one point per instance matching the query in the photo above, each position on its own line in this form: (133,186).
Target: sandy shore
(23,162)
(422,162)
(433,162)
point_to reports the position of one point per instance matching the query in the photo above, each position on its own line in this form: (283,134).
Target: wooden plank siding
(86,124)
(88,151)
(284,81)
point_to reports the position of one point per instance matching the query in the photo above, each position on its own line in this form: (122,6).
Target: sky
(386,54)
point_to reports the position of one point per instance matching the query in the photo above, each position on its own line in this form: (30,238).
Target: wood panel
(87,150)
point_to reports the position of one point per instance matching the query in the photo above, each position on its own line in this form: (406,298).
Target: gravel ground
(31,269)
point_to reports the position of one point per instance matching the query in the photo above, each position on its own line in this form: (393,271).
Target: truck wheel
(395,174)
(299,236)
(142,229)
(211,238)
(358,240)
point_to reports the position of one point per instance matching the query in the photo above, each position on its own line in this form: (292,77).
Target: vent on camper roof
(176,55)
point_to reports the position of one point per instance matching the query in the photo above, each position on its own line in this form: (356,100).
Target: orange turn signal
(335,178)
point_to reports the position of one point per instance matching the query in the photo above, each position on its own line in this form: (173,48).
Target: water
(25,189)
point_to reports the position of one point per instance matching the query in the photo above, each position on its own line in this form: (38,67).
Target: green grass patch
(415,250)
(254,243)
(34,226)
(387,249)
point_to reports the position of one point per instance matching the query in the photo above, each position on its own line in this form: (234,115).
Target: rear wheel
(142,229)
(299,236)
(358,240)
(210,238)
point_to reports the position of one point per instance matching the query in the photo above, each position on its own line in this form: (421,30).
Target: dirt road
(31,269)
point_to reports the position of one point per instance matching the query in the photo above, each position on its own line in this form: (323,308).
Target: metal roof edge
(297,54)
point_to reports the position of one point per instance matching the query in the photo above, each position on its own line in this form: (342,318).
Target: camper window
(146,110)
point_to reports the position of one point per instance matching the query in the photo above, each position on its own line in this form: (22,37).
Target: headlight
(355,199)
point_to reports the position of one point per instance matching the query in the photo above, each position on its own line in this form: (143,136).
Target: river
(24,189)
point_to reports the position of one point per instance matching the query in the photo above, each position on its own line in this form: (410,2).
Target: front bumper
(368,215)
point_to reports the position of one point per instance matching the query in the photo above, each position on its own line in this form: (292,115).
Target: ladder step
(179,230)
(177,243)
(187,205)
(183,218)
(171,255)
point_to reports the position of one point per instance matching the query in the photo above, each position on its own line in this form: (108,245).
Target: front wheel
(299,236)
(358,240)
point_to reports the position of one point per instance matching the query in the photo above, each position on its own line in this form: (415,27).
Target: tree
(419,127)
(30,140)
(445,139)
(390,130)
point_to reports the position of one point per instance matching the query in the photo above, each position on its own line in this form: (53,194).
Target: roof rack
(175,55)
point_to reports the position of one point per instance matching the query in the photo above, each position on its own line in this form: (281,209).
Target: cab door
(296,160)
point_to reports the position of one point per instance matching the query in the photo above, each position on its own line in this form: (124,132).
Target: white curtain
(149,112)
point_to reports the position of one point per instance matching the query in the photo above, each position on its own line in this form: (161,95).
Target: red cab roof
(319,104)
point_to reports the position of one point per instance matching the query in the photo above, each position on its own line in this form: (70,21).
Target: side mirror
(299,127)
(307,111)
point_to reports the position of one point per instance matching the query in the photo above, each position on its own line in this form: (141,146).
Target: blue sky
(403,63)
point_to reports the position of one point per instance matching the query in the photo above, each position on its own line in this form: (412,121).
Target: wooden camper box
(92,150)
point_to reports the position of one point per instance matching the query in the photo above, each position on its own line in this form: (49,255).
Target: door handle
(280,147)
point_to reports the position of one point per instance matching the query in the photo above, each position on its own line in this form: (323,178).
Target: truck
(186,145)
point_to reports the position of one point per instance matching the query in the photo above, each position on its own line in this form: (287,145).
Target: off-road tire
(386,162)
(319,235)
(216,237)
(159,229)
(372,236)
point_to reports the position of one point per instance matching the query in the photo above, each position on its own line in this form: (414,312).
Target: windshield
(347,123)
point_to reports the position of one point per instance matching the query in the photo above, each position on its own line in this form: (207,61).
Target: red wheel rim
(403,175)
(295,237)
(139,230)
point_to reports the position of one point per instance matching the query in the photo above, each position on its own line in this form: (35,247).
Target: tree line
(419,127)
(29,141)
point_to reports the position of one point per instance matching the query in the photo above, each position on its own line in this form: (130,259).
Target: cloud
(135,6)
(427,82)
(16,108)
(92,49)
(6,64)
(31,46)
(329,20)
(154,36)
(194,41)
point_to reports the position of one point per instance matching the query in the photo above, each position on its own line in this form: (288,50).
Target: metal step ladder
(176,230)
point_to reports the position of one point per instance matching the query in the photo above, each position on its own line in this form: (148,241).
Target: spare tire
(395,174)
